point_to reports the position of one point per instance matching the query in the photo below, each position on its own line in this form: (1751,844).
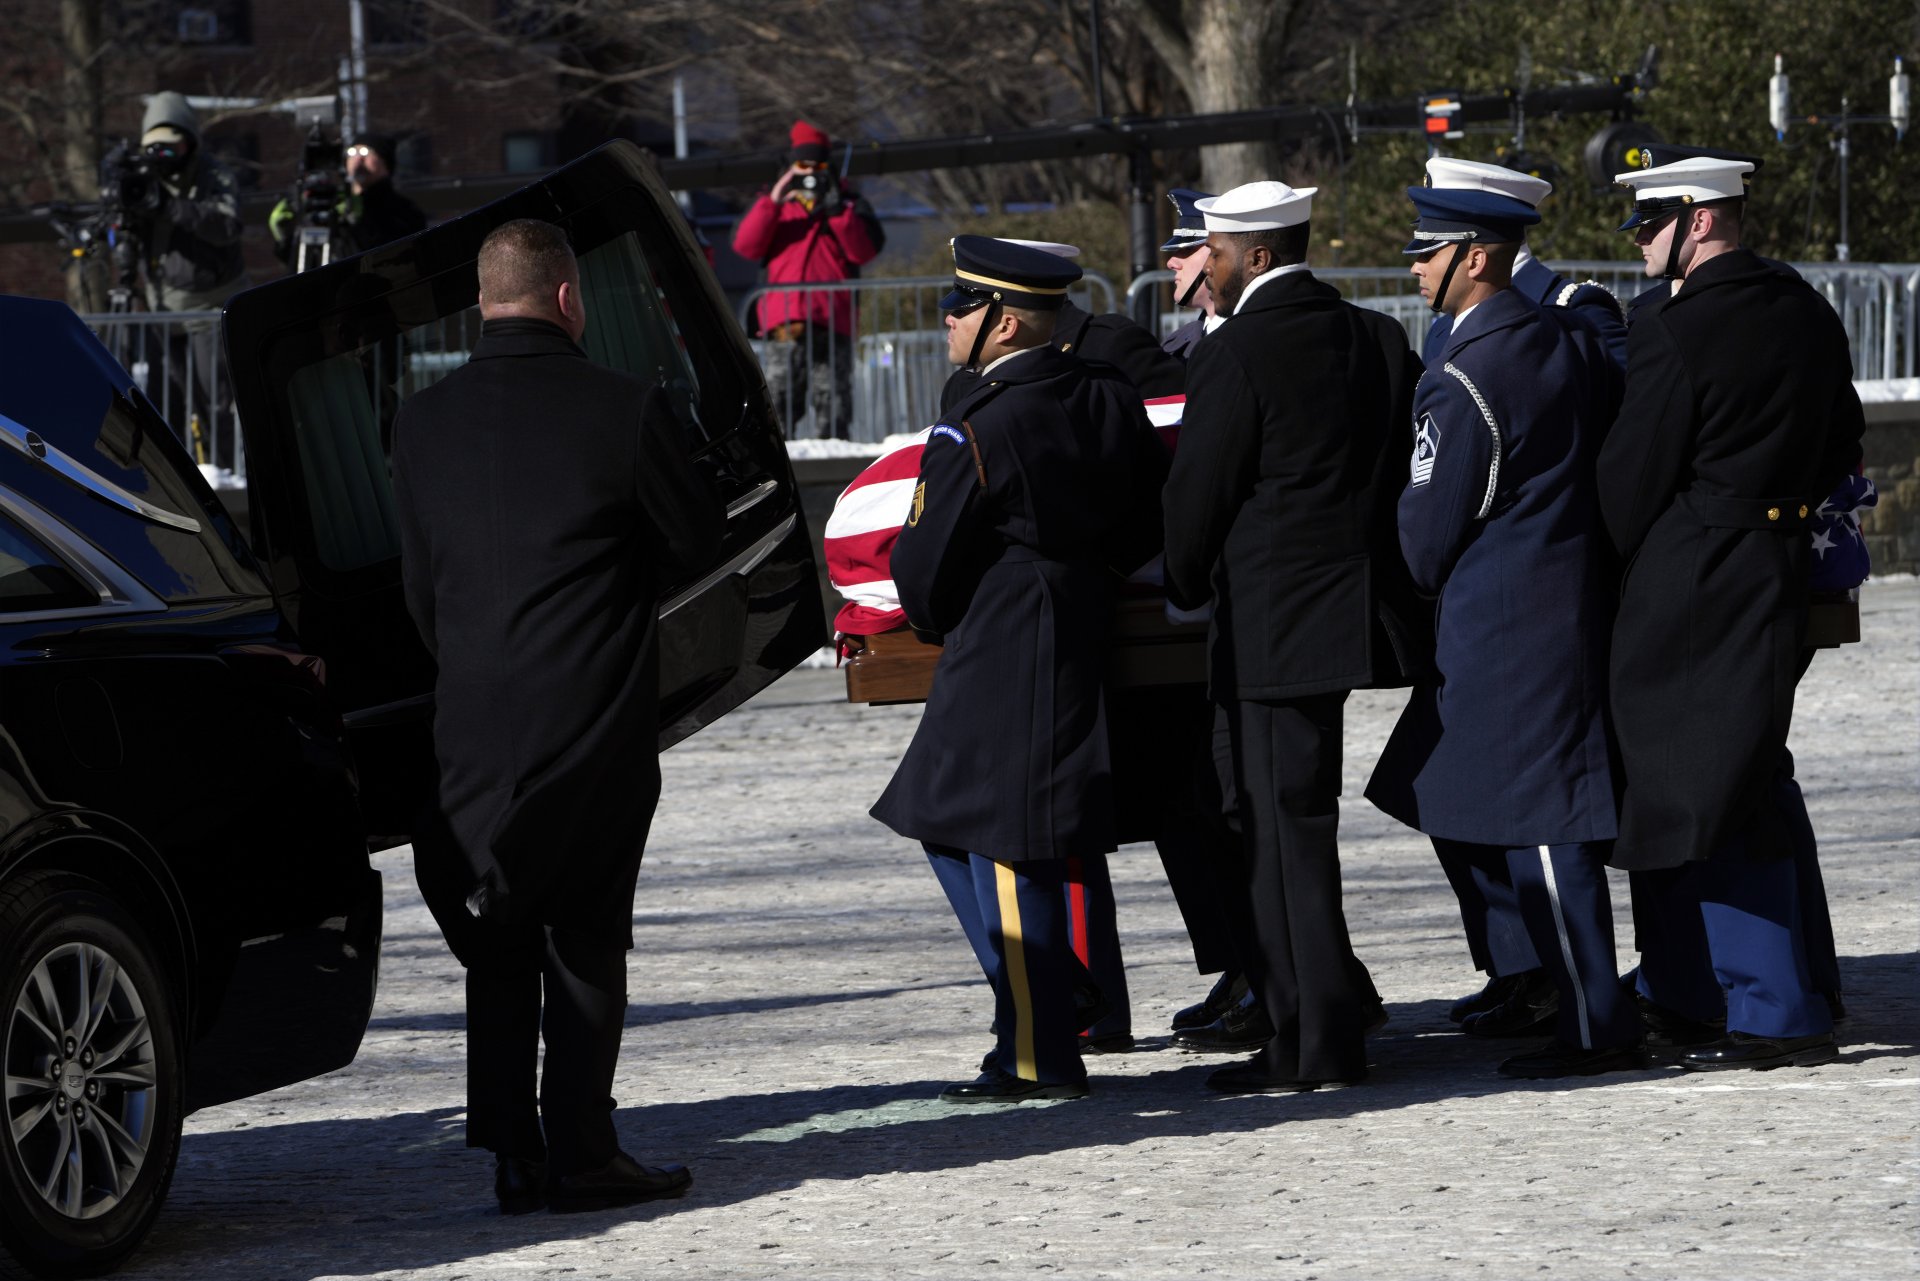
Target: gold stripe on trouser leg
(1008,887)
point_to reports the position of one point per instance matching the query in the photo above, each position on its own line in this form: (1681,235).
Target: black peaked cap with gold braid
(989,270)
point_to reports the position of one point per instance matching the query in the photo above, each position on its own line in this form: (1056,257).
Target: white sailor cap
(1258,206)
(1445,174)
(1053,247)
(1660,190)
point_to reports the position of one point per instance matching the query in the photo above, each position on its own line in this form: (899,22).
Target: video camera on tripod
(130,196)
(316,195)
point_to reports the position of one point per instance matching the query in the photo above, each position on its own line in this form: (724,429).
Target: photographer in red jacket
(812,228)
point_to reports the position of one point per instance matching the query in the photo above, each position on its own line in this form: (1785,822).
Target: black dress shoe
(1252,1077)
(1242,1028)
(1226,993)
(519,1185)
(1669,1032)
(1111,1043)
(995,1086)
(621,1181)
(1556,1059)
(1497,990)
(1760,1053)
(1527,1011)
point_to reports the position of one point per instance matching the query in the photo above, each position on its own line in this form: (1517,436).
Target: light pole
(1899,115)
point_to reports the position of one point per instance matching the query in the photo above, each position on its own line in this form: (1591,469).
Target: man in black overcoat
(1280,509)
(1823,959)
(1036,491)
(545,506)
(1740,416)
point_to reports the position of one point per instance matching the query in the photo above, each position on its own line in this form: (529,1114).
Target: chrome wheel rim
(81,1084)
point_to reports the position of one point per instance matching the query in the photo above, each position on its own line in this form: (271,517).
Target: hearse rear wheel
(91,1073)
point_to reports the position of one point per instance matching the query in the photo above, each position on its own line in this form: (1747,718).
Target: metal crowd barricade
(178,360)
(1878,303)
(879,375)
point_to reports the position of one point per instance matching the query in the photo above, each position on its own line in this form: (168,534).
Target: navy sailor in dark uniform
(1503,755)
(1038,489)
(1740,416)
(1280,511)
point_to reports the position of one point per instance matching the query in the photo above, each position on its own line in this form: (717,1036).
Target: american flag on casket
(868,515)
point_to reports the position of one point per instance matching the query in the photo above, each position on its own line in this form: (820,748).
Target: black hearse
(204,729)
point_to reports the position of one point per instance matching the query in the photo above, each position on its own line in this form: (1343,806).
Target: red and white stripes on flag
(860,534)
(869,513)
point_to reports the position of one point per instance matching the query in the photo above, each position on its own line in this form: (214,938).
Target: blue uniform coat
(1499,519)
(1038,489)
(1589,301)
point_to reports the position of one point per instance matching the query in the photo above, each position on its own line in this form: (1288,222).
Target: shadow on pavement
(403,1191)
(643,1015)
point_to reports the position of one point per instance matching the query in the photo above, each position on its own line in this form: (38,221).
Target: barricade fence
(860,360)
(1878,303)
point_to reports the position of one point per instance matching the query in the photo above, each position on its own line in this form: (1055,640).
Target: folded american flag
(1839,552)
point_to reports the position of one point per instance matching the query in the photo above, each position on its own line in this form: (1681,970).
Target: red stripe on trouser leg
(1077,909)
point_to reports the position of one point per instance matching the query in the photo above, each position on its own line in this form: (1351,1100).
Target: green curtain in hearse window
(343,464)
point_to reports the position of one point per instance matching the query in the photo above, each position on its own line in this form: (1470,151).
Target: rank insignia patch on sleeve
(1426,447)
(919,503)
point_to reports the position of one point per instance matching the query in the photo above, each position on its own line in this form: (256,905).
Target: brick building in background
(457,107)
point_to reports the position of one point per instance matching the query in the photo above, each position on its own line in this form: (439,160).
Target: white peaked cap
(1444,174)
(1689,181)
(1053,247)
(1258,206)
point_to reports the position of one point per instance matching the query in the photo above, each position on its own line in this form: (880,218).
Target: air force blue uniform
(1504,758)
(1589,301)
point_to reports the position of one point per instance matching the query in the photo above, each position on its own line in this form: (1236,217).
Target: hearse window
(343,407)
(32,578)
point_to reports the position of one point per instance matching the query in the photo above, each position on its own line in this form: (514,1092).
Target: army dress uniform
(1502,758)
(1037,489)
(1707,481)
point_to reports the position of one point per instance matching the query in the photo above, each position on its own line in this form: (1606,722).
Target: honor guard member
(1501,756)
(1280,511)
(1229,1019)
(1740,413)
(1665,272)
(1519,998)
(1186,250)
(1590,300)
(1826,523)
(1036,490)
(1107,339)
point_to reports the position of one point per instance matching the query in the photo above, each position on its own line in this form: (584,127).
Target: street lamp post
(1899,115)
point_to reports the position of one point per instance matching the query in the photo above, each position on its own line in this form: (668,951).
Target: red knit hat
(809,142)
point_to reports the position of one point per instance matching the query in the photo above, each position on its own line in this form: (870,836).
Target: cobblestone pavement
(800,994)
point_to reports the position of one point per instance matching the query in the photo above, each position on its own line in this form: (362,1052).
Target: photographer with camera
(349,193)
(179,211)
(812,228)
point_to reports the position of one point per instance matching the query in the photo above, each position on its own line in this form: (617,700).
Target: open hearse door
(321,363)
